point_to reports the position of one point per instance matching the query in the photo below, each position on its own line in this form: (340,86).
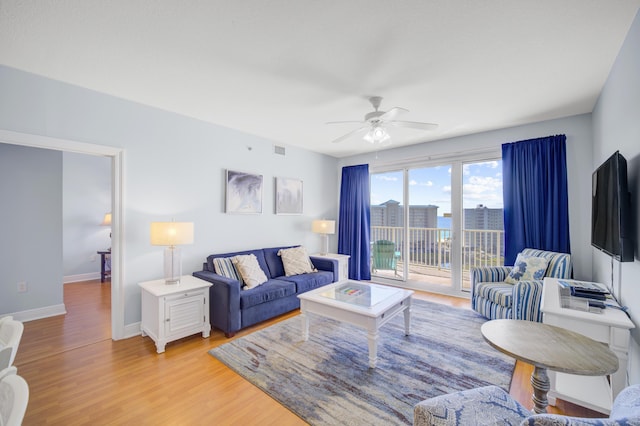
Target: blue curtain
(536,210)
(354,220)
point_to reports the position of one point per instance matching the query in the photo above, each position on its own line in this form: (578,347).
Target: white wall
(616,120)
(579,146)
(173,169)
(30,225)
(86,197)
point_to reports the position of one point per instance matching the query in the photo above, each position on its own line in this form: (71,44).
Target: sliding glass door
(387,225)
(430,224)
(483,218)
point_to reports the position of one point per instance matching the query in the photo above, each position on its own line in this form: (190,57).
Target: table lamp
(172,234)
(324,227)
(106,221)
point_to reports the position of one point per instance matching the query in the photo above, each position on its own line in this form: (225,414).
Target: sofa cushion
(306,282)
(296,261)
(270,290)
(225,267)
(500,293)
(247,265)
(259,254)
(527,268)
(274,262)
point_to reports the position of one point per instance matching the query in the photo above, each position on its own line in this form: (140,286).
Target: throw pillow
(527,268)
(296,261)
(252,274)
(224,266)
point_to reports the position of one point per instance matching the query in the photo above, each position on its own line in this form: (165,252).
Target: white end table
(174,311)
(343,264)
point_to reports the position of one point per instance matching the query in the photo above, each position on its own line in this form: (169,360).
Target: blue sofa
(232,309)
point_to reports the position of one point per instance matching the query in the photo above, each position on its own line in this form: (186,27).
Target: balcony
(429,258)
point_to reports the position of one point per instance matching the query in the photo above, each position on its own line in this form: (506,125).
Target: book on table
(583,295)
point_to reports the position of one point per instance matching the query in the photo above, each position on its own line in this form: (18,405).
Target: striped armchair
(494,298)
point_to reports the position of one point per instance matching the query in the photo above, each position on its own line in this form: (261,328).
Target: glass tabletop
(359,294)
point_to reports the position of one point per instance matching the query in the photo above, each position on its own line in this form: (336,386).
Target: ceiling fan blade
(413,125)
(392,113)
(343,122)
(348,135)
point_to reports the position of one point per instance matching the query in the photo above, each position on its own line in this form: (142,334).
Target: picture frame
(288,196)
(243,192)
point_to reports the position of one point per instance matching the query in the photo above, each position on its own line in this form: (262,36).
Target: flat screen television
(611,209)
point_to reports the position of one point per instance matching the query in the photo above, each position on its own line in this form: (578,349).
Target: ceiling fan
(375,122)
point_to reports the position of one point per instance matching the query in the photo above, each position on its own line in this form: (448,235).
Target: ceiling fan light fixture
(377,134)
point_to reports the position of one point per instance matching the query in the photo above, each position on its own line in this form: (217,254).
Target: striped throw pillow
(224,266)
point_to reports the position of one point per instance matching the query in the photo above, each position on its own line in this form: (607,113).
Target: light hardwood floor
(77,375)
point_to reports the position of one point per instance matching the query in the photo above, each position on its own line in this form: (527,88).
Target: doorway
(116,156)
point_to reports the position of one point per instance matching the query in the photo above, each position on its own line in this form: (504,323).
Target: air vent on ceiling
(278,150)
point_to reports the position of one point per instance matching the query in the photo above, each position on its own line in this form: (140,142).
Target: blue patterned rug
(326,380)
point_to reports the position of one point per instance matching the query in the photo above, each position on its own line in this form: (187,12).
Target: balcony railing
(430,248)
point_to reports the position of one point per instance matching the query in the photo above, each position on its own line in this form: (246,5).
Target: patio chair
(508,292)
(384,256)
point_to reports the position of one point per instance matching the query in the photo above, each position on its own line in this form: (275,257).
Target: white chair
(14,397)
(10,335)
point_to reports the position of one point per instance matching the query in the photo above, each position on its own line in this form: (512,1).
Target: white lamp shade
(106,221)
(171,233)
(324,226)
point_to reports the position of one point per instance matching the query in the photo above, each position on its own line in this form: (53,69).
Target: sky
(481,184)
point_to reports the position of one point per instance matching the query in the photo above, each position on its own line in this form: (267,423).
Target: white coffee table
(365,305)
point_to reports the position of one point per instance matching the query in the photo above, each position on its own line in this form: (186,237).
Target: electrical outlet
(93,257)
(22,287)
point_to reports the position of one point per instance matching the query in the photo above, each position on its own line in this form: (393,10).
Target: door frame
(117,229)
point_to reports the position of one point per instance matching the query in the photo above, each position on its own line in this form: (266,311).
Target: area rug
(326,380)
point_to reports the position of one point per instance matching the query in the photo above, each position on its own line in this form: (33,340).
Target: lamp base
(172,265)
(325,245)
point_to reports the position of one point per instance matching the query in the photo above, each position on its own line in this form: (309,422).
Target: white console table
(612,327)
(343,264)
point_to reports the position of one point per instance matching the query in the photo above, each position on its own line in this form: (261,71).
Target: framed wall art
(288,196)
(243,193)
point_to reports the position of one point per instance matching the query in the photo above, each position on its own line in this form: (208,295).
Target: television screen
(610,209)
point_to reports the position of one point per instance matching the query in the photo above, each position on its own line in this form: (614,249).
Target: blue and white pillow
(527,268)
(225,267)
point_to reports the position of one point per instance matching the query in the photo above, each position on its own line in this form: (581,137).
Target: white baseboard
(38,313)
(81,277)
(131,330)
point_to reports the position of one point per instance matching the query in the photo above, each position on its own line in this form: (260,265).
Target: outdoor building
(391,213)
(483,218)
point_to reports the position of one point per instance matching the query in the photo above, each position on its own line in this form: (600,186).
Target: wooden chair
(384,256)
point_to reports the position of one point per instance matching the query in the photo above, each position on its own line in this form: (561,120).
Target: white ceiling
(280,69)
